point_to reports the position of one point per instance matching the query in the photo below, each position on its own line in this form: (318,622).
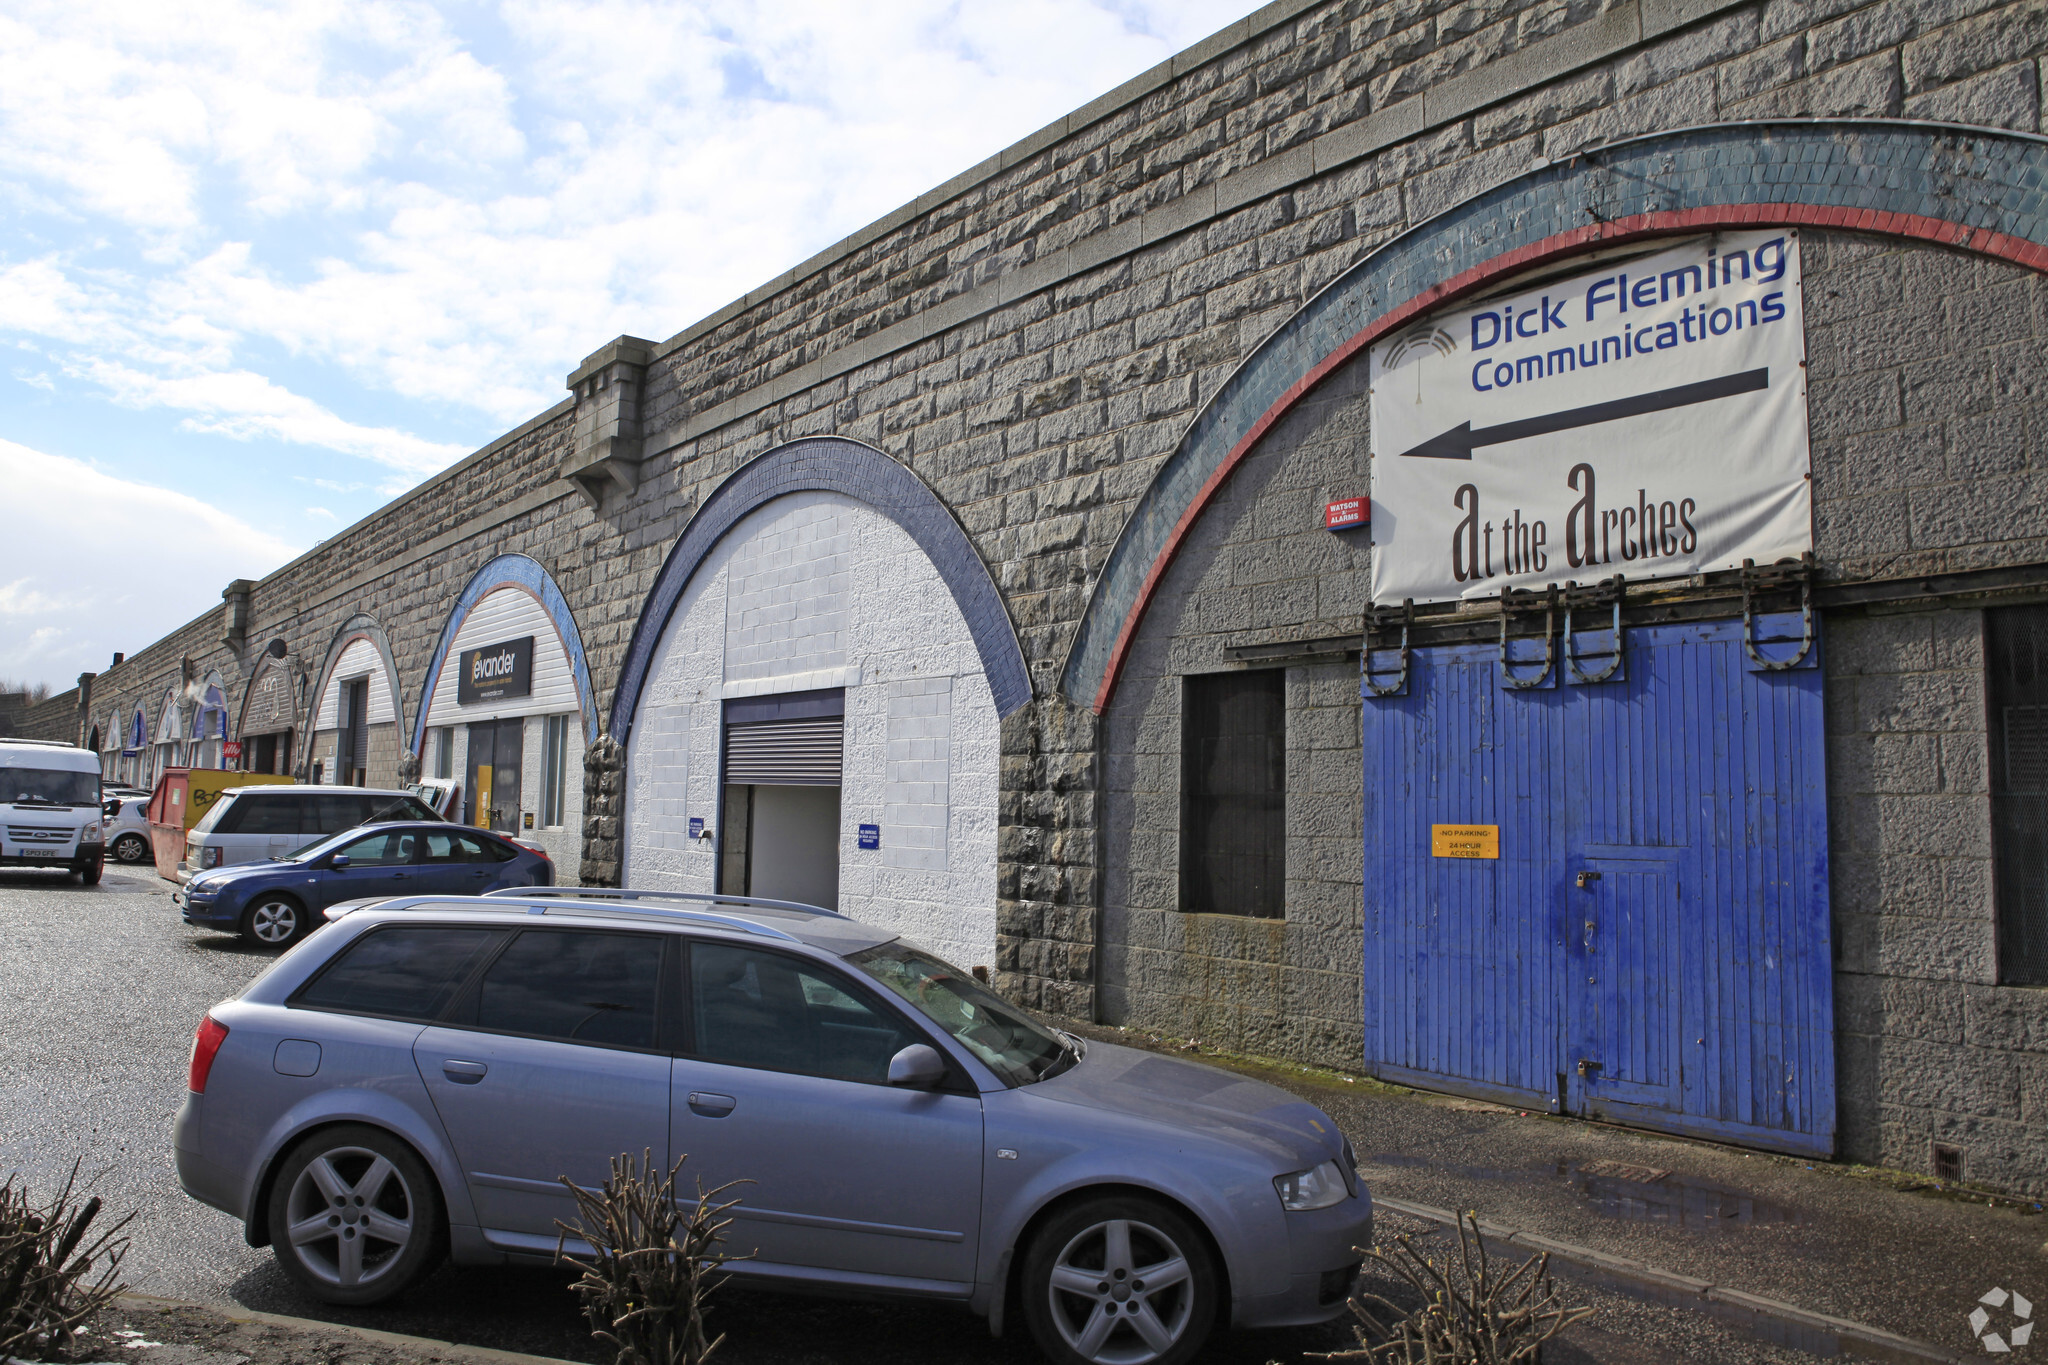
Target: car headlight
(1316,1188)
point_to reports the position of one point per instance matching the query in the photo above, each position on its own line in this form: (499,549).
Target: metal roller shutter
(799,753)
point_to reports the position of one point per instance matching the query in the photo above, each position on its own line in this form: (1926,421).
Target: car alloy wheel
(354,1216)
(131,848)
(274,922)
(1120,1282)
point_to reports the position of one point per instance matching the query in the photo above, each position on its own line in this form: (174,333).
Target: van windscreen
(49,787)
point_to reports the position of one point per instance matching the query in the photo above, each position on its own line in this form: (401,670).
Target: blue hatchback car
(277,902)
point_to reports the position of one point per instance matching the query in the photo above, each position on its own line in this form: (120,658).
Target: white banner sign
(1646,417)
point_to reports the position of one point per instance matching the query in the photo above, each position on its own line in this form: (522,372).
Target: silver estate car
(413,1078)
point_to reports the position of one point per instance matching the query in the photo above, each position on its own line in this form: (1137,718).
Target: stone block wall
(1034,338)
(1931,1049)
(1259,568)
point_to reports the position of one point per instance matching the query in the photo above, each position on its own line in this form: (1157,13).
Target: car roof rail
(569,907)
(629,893)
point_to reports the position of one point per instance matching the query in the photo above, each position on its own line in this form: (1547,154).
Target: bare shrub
(646,1287)
(48,1255)
(1470,1314)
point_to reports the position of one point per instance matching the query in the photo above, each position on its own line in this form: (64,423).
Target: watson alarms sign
(1646,417)
(495,672)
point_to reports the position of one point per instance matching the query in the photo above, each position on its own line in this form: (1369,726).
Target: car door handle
(463,1073)
(710,1106)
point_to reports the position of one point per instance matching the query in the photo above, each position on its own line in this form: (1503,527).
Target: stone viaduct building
(943,575)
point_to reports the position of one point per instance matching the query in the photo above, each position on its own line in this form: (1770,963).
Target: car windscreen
(49,787)
(305,853)
(398,808)
(1008,1041)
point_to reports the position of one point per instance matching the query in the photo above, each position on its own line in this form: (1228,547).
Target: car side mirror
(338,861)
(917,1067)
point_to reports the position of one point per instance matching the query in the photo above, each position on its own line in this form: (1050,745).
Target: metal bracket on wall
(1383,618)
(1511,602)
(1608,592)
(1778,577)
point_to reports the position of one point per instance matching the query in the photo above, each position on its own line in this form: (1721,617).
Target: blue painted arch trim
(512,571)
(1976,189)
(833,464)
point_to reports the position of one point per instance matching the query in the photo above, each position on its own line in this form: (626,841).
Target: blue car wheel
(275,920)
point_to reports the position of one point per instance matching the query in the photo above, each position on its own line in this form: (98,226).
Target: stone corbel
(235,615)
(608,441)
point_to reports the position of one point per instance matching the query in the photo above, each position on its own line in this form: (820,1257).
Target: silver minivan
(414,1079)
(249,824)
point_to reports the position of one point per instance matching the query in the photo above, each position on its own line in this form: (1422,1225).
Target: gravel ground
(100,989)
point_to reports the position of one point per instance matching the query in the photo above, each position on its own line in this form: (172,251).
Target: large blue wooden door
(1652,944)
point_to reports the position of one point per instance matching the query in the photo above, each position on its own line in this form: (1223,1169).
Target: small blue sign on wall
(696,827)
(870,836)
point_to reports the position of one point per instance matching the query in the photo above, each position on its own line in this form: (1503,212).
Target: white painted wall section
(820,590)
(359,660)
(507,613)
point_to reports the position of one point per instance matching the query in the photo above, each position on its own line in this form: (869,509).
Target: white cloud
(427,214)
(104,563)
(355,184)
(244,405)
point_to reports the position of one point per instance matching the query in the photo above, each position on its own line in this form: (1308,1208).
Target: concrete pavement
(1874,1247)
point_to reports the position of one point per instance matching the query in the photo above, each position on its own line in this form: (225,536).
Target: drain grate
(1621,1170)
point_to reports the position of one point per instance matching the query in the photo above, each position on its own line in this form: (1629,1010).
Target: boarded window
(1233,822)
(2016,641)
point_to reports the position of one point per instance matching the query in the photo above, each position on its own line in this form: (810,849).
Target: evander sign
(495,672)
(1646,417)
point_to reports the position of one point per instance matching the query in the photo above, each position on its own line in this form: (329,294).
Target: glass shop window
(553,778)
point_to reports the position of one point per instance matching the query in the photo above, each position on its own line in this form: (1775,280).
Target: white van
(249,824)
(50,808)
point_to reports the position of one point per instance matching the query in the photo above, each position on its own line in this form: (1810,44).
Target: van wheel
(355,1216)
(89,875)
(275,921)
(1121,1280)
(131,848)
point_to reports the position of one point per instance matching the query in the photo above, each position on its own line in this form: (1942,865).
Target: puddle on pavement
(1638,1194)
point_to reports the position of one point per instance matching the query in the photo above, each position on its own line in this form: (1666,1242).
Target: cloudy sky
(265,267)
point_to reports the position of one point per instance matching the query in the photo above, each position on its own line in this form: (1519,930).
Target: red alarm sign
(1346,513)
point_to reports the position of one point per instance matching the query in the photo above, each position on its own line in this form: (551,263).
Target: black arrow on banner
(1459,442)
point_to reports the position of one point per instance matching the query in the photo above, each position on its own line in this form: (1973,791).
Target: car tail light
(209,857)
(205,1046)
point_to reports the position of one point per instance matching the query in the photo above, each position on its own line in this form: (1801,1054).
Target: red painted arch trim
(1915,227)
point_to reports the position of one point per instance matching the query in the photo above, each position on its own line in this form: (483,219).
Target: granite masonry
(1122,362)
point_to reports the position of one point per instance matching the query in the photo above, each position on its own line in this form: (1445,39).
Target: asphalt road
(100,989)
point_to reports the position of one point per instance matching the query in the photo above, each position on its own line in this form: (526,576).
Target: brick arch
(1974,189)
(833,464)
(526,574)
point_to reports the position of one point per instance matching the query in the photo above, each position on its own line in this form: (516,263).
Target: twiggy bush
(48,1256)
(654,1267)
(1470,1314)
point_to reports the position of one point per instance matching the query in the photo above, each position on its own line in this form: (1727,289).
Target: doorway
(352,763)
(268,753)
(780,797)
(492,798)
(781,843)
(1646,936)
